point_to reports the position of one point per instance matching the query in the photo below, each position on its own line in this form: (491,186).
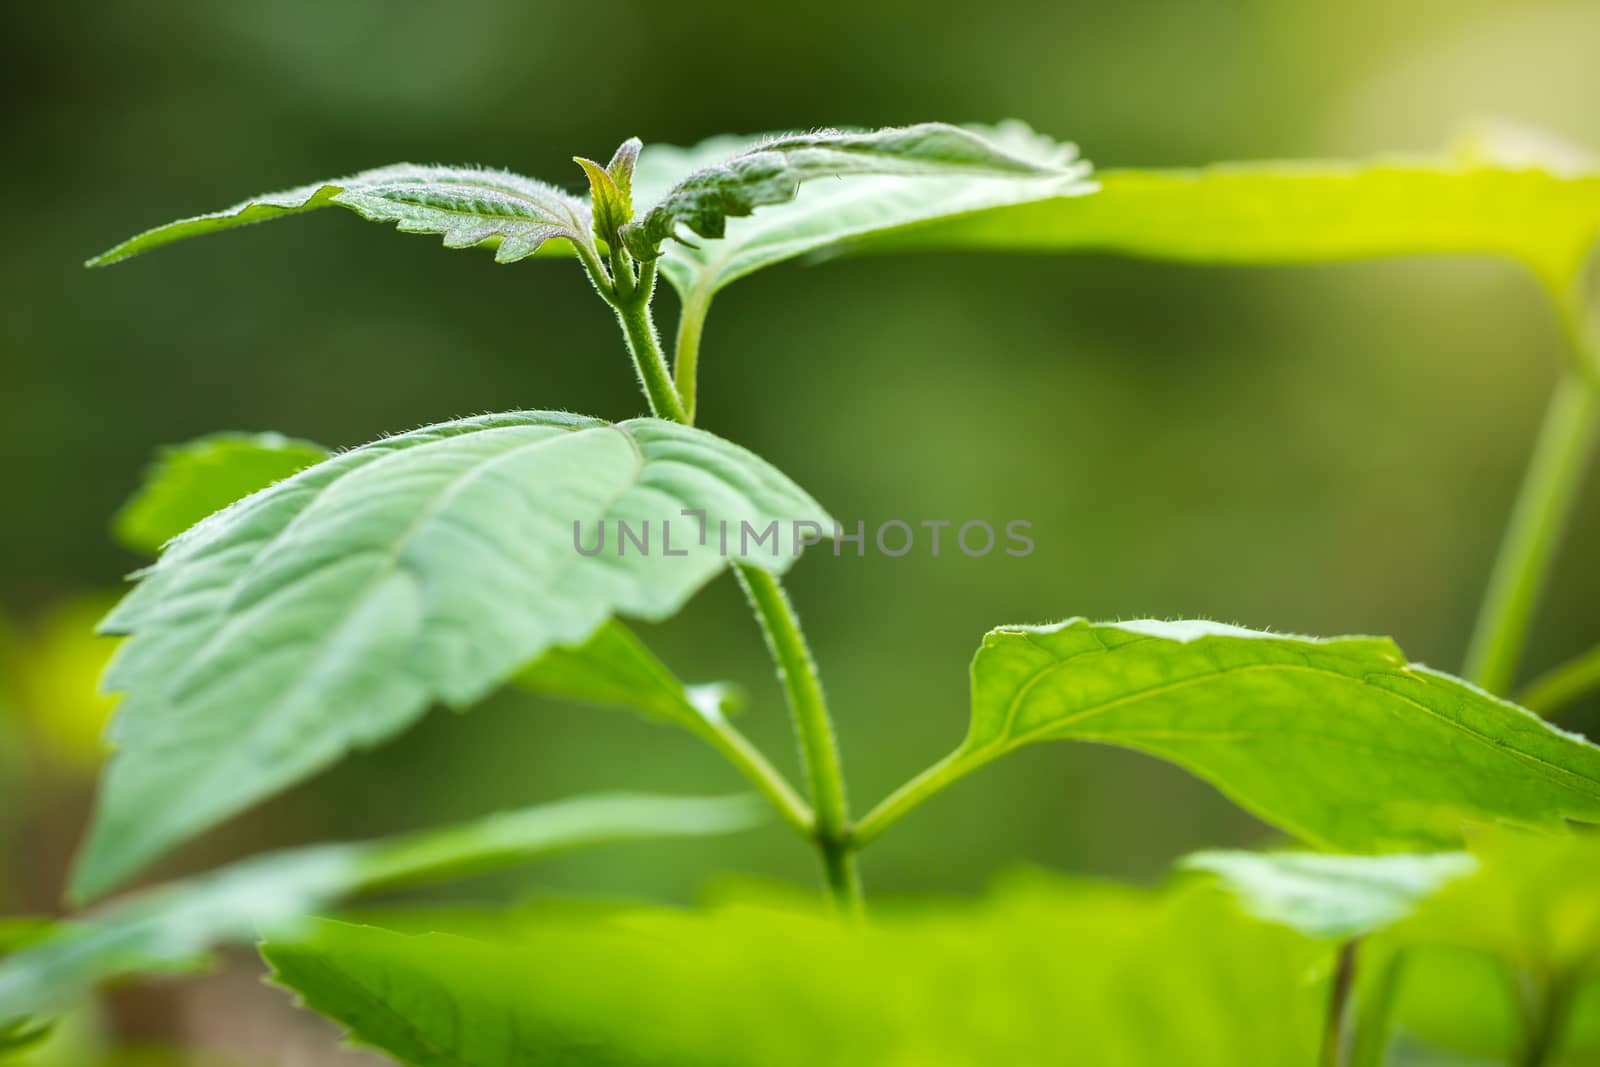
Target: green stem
(631,299)
(798,673)
(748,760)
(1548,490)
(1336,1043)
(1553,691)
(1547,1006)
(686,351)
(895,806)
(827,822)
(1375,1012)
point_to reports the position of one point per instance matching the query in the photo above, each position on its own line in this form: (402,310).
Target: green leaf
(885,180)
(614,668)
(1303,212)
(1332,896)
(328,611)
(1562,686)
(1340,742)
(469,207)
(1041,973)
(187,482)
(173,926)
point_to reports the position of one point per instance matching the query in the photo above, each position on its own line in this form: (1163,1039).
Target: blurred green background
(1320,450)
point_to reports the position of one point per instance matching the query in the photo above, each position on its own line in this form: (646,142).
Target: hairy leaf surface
(1341,742)
(328,611)
(772,171)
(1324,895)
(173,926)
(468,206)
(825,213)
(187,482)
(1041,973)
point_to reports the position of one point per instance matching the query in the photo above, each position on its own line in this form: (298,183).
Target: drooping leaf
(331,609)
(1302,212)
(1040,974)
(187,482)
(469,207)
(615,668)
(1324,895)
(1008,164)
(173,926)
(1340,742)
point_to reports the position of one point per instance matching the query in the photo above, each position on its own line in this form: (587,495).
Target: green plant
(337,597)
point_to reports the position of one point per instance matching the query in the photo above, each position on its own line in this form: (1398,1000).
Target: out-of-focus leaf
(1492,949)
(826,213)
(57,660)
(330,610)
(468,206)
(1038,974)
(1302,212)
(187,482)
(1341,741)
(173,926)
(615,668)
(1324,895)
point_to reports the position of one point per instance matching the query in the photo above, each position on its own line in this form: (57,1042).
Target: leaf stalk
(1548,490)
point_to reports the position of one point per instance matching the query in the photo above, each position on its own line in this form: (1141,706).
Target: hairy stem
(686,351)
(1548,490)
(798,673)
(827,822)
(631,299)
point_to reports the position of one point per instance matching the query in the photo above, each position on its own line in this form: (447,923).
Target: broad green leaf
(1041,974)
(615,668)
(187,482)
(328,611)
(826,213)
(1324,895)
(173,926)
(1340,742)
(1302,212)
(469,207)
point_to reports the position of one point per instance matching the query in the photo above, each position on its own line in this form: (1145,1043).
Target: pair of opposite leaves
(331,609)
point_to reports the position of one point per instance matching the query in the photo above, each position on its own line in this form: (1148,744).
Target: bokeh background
(1321,450)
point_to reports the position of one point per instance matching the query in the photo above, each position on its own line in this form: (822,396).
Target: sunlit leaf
(1038,974)
(468,206)
(173,926)
(1324,895)
(187,482)
(1303,212)
(1340,742)
(330,610)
